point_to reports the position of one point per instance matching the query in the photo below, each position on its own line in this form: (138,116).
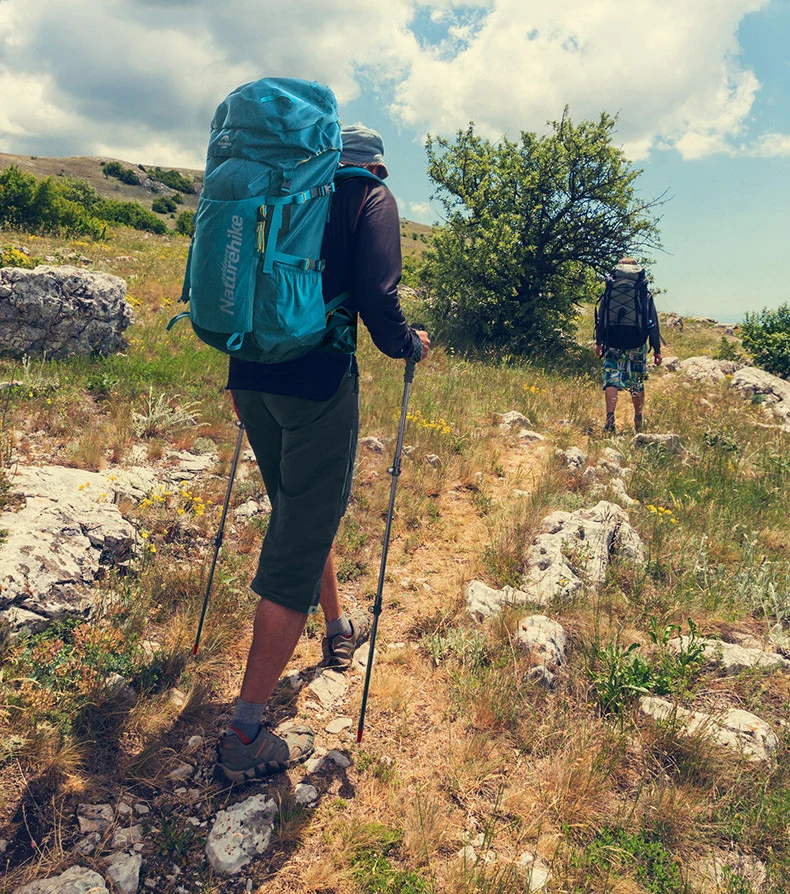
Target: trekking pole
(408,378)
(218,538)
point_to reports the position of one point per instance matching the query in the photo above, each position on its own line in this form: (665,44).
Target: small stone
(124,872)
(181,790)
(339,759)
(193,743)
(360,659)
(88,844)
(141,809)
(529,437)
(118,687)
(305,794)
(95,817)
(537,872)
(124,809)
(467,855)
(409,451)
(126,837)
(182,771)
(329,686)
(338,725)
(511,418)
(240,833)
(433,461)
(374,445)
(76,880)
(176,697)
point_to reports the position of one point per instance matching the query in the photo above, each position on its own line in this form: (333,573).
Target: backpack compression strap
(270,221)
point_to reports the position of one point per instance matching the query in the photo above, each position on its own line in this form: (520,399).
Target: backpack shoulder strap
(350,171)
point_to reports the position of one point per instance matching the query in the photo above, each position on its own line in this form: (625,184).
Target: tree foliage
(529,225)
(766,336)
(64,205)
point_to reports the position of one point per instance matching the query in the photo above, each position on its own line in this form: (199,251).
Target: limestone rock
(124,872)
(672,320)
(732,658)
(544,637)
(62,311)
(483,601)
(537,872)
(613,457)
(240,833)
(305,795)
(750,382)
(575,547)
(735,729)
(374,445)
(670,363)
(530,437)
(329,686)
(669,442)
(702,369)
(574,457)
(95,817)
(126,837)
(76,880)
(336,726)
(68,529)
(512,418)
(433,461)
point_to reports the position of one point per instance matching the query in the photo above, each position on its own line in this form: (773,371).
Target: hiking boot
(609,428)
(339,650)
(268,753)
(638,423)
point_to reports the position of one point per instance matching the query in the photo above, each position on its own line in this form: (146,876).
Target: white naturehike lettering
(230,265)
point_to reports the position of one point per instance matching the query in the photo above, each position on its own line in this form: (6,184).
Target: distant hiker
(625,319)
(302,420)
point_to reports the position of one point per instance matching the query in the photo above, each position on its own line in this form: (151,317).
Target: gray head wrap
(361,146)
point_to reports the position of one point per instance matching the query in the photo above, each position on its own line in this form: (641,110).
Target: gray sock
(247,718)
(339,626)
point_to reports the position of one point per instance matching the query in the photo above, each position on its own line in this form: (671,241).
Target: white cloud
(421,210)
(140,78)
(770,145)
(669,68)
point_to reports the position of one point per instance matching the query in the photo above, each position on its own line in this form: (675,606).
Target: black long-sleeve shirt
(362,252)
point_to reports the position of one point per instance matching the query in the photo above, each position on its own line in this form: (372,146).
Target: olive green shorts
(305,450)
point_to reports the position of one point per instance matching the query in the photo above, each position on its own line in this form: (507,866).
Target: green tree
(185,223)
(766,336)
(529,225)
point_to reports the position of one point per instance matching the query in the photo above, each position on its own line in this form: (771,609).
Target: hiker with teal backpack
(625,321)
(284,305)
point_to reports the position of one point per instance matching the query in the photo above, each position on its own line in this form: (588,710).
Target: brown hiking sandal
(268,753)
(339,650)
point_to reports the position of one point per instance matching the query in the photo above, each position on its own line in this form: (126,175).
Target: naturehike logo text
(230,264)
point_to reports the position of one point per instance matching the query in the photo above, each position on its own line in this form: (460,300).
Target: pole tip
(359,735)
(194,650)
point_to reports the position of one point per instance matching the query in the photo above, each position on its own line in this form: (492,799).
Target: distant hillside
(414,236)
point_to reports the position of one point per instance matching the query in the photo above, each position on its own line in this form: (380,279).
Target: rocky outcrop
(774,392)
(66,531)
(734,729)
(732,658)
(575,548)
(483,601)
(61,311)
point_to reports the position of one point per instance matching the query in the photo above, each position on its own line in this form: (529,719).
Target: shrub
(173,179)
(766,336)
(117,170)
(163,205)
(131,214)
(44,206)
(13,257)
(185,224)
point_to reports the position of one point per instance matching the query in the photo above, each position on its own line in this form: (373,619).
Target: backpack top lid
(275,117)
(628,270)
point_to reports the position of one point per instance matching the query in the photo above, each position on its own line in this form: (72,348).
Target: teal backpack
(253,278)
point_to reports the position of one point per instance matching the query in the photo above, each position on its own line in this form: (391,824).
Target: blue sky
(702,90)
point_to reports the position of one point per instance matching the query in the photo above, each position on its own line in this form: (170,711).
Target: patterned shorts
(625,370)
